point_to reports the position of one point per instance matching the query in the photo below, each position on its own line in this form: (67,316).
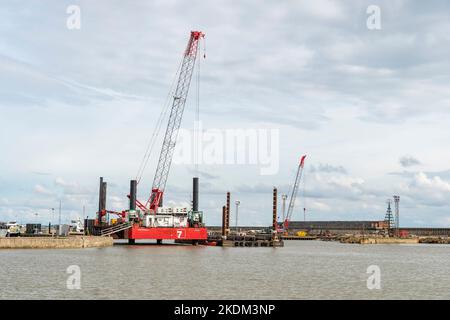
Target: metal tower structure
(389,218)
(294,193)
(176,114)
(397,215)
(283,209)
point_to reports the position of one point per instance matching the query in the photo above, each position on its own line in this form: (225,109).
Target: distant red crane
(294,193)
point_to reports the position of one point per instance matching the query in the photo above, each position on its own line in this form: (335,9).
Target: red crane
(294,193)
(149,223)
(176,114)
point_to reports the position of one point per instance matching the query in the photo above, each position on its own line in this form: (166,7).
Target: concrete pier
(55,243)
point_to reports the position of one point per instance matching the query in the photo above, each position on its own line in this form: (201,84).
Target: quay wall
(55,243)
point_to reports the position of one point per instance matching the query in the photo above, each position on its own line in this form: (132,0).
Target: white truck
(13,229)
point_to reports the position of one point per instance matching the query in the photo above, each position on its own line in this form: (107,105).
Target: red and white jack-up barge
(151,220)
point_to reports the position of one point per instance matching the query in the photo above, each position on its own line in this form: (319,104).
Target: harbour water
(300,270)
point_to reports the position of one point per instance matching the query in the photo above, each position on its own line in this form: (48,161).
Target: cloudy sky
(370,107)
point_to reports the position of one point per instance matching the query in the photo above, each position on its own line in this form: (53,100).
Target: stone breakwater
(378,240)
(55,243)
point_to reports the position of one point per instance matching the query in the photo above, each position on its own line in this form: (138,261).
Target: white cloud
(346,182)
(423,182)
(364,71)
(323,9)
(116,203)
(42,190)
(321,167)
(317,206)
(72,187)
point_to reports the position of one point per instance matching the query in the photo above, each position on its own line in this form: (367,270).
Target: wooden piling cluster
(274,213)
(237,240)
(226,217)
(227,230)
(252,243)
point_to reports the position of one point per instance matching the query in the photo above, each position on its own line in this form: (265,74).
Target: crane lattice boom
(294,192)
(176,114)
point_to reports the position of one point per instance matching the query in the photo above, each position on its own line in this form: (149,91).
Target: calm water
(300,270)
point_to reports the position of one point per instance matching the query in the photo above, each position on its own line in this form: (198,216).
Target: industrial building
(336,227)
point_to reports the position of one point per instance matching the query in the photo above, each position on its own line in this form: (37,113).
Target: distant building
(317,227)
(346,227)
(336,225)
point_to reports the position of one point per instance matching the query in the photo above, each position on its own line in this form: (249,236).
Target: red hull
(137,232)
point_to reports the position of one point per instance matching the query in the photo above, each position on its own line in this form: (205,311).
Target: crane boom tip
(302,160)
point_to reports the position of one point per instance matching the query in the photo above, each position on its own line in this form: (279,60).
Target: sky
(370,107)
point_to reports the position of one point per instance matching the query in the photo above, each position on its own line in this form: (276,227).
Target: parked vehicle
(13,229)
